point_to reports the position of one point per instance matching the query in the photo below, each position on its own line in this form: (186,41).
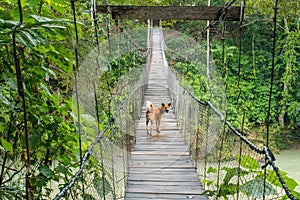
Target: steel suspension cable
(76,68)
(22,95)
(239,94)
(270,160)
(201,34)
(109,56)
(108,83)
(223,134)
(95,20)
(272,72)
(271,90)
(240,49)
(84,161)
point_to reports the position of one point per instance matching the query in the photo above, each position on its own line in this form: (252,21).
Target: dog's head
(166,106)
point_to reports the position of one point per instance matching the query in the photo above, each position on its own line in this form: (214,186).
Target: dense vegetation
(45,45)
(246,72)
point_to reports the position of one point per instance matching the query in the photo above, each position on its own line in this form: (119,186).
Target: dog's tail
(149,106)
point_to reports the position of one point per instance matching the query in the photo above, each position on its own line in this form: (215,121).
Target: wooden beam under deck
(171,12)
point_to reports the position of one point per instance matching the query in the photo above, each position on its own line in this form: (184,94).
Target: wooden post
(171,12)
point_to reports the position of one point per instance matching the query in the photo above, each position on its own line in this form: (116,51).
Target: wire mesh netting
(230,166)
(103,170)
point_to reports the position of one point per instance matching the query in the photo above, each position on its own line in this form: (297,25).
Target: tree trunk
(286,83)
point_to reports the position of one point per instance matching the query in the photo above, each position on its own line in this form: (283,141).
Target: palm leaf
(30,37)
(9,24)
(38,36)
(46,20)
(24,40)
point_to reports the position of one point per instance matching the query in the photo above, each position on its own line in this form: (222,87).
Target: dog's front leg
(151,127)
(158,125)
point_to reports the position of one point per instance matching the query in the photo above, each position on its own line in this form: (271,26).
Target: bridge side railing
(104,169)
(229,165)
(227,162)
(109,153)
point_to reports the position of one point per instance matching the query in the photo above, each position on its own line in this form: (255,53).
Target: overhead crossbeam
(171,12)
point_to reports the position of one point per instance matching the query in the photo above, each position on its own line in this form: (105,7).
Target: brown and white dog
(155,114)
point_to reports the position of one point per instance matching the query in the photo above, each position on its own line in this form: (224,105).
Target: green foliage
(248,162)
(251,180)
(190,77)
(255,188)
(46,59)
(102,186)
(45,45)
(115,82)
(10,192)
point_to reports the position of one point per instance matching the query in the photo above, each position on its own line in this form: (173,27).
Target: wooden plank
(166,159)
(170,12)
(166,189)
(158,153)
(164,170)
(160,165)
(147,147)
(166,177)
(146,196)
(183,173)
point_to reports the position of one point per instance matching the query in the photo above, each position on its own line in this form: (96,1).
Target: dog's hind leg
(147,122)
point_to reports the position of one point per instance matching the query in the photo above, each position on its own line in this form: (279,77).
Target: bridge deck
(161,167)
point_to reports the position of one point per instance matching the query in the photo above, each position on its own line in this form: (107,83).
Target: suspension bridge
(160,166)
(197,155)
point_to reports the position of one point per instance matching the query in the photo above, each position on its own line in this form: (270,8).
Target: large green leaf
(88,197)
(212,170)
(37,35)
(9,24)
(24,41)
(232,172)
(255,188)
(4,100)
(8,146)
(226,190)
(30,37)
(273,178)
(63,170)
(102,186)
(46,171)
(249,162)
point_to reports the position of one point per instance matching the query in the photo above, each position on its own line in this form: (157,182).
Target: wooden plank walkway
(161,167)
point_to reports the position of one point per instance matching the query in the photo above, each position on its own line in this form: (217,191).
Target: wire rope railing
(230,166)
(110,150)
(105,162)
(241,163)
